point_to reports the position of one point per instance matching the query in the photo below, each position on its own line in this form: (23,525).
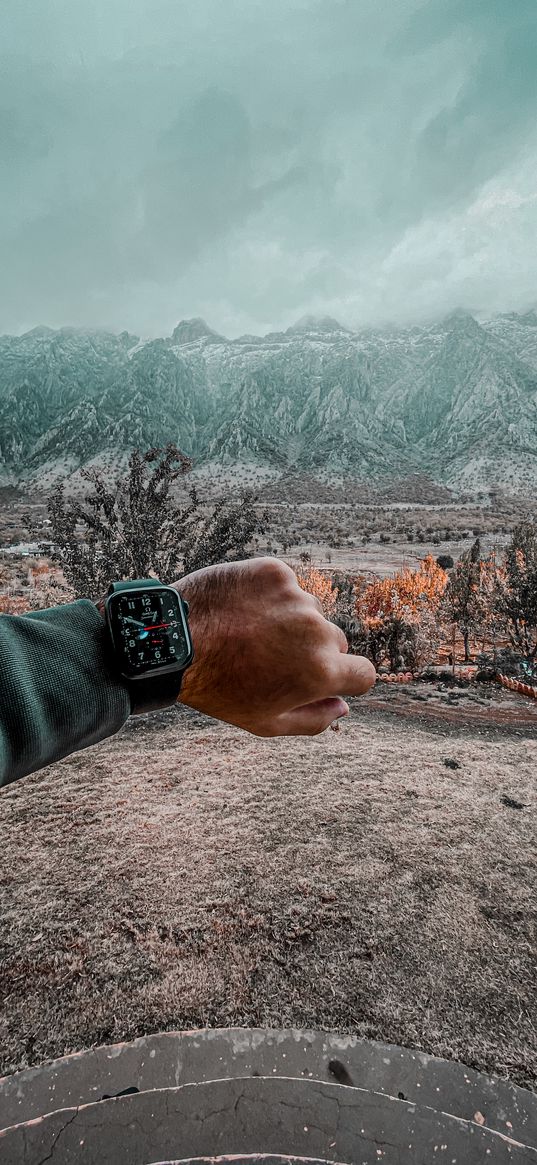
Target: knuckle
(341,639)
(316,602)
(312,620)
(315,642)
(370,673)
(274,568)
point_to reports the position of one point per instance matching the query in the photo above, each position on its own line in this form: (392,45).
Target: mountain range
(455,400)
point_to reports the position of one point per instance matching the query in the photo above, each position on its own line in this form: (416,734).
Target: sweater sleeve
(58,688)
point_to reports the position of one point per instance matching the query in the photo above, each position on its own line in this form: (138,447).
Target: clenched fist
(266,659)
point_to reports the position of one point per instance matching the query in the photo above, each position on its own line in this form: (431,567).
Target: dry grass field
(379,880)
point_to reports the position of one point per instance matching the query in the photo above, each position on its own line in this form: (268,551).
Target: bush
(392,642)
(508,663)
(134,528)
(428,675)
(344,586)
(445,561)
(355,631)
(401,644)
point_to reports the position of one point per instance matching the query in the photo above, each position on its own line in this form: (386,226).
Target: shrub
(345,587)
(363,639)
(221,533)
(134,528)
(506,662)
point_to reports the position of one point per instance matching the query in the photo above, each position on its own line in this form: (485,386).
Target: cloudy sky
(252,161)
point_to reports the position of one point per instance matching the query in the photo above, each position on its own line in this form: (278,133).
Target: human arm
(265,660)
(58,688)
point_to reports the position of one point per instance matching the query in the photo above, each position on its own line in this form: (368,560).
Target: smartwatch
(151,641)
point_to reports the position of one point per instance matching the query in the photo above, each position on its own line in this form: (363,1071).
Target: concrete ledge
(256,1115)
(170,1059)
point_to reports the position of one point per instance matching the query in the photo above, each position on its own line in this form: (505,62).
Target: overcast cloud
(250,162)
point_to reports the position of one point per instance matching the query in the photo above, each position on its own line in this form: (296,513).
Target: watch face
(148,630)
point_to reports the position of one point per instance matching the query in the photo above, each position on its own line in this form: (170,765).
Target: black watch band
(154,693)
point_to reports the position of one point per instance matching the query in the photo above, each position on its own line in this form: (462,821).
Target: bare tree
(221,533)
(135,529)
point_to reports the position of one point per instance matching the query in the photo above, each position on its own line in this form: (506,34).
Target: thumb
(355,675)
(310,719)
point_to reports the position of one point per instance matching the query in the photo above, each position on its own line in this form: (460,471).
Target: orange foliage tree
(33,587)
(400,613)
(317,583)
(404,595)
(13,605)
(393,617)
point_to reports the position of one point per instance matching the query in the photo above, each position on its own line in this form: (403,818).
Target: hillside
(454,400)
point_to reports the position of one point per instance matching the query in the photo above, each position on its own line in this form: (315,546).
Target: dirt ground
(379,880)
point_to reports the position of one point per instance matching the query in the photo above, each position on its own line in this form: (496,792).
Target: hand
(265,657)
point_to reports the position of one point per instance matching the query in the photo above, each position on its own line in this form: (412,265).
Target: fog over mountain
(253,162)
(456,400)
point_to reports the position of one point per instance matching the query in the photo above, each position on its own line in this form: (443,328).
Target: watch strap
(155,693)
(133,584)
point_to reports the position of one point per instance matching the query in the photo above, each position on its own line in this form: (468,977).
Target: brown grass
(185,874)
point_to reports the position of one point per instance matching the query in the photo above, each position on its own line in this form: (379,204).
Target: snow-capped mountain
(456,400)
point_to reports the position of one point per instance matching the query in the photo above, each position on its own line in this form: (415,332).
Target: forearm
(58,688)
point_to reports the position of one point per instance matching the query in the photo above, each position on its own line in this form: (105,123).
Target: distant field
(379,559)
(356,536)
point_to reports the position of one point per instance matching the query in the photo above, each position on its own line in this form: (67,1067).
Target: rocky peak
(187,331)
(39,333)
(310,323)
(462,322)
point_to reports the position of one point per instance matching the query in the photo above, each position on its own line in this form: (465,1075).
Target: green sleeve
(58,689)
